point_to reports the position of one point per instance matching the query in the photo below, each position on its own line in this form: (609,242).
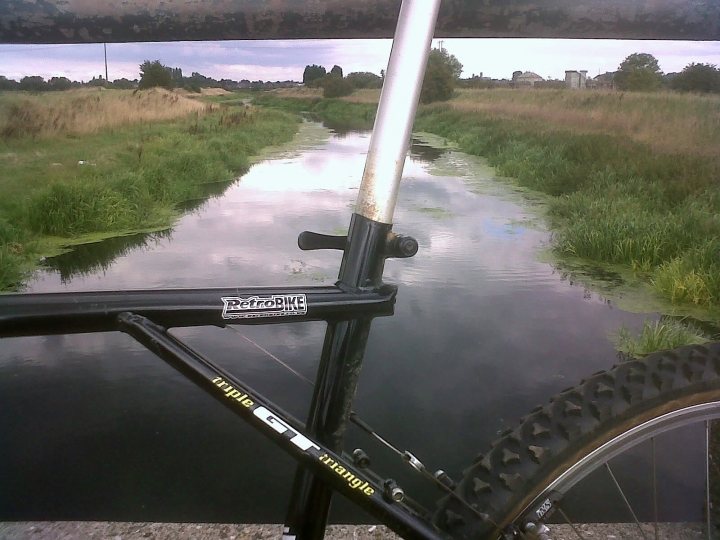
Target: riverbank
(84,165)
(618,191)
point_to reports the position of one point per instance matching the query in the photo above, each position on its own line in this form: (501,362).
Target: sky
(286,60)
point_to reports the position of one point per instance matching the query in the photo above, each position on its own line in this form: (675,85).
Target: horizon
(286,60)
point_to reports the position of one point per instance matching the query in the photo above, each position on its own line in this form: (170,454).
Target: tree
(334,86)
(8,84)
(697,78)
(443,70)
(453,63)
(154,74)
(59,83)
(639,71)
(336,71)
(33,84)
(124,84)
(176,75)
(313,73)
(364,79)
(97,81)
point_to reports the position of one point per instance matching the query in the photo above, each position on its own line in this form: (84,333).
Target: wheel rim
(542,503)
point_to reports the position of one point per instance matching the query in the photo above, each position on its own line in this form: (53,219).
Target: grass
(79,112)
(612,199)
(664,121)
(340,114)
(658,336)
(131,176)
(631,178)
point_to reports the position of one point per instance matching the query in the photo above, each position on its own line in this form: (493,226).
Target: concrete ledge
(102,530)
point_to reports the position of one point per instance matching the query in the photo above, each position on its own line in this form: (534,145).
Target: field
(665,122)
(631,178)
(85,164)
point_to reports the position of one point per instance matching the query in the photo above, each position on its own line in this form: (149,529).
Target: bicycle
(508,493)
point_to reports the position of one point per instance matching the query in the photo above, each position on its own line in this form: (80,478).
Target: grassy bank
(613,199)
(662,335)
(340,114)
(66,176)
(631,179)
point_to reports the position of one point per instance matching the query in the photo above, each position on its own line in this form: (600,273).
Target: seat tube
(364,257)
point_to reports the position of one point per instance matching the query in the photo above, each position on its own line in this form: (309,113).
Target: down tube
(282,429)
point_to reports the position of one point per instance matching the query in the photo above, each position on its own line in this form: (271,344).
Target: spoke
(654,488)
(567,520)
(707,477)
(624,498)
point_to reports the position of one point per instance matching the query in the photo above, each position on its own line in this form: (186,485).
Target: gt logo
(299,440)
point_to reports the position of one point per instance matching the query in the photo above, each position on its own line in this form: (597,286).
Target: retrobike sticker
(277,305)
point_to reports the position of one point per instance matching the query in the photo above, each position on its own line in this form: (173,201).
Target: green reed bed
(62,189)
(659,335)
(336,113)
(612,200)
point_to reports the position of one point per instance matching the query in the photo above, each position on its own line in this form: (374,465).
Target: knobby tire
(510,479)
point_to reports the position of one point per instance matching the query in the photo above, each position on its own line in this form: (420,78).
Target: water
(93,427)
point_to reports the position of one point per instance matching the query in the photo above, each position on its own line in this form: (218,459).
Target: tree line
(442,73)
(152,73)
(638,72)
(641,72)
(334,84)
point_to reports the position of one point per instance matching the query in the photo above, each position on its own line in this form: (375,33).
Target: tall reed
(659,335)
(79,112)
(613,199)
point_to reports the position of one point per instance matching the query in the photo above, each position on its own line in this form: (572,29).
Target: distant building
(526,79)
(553,84)
(604,81)
(576,80)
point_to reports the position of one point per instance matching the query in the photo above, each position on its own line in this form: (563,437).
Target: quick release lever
(308,241)
(397,246)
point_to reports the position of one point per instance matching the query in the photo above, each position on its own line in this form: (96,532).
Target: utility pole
(105,50)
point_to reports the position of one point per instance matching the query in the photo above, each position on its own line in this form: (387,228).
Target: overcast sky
(283,60)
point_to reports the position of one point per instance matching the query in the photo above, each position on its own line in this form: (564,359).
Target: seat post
(396,110)
(363,258)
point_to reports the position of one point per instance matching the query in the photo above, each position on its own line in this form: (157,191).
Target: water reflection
(483,332)
(421,151)
(97,257)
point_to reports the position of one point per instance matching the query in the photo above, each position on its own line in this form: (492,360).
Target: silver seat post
(362,265)
(396,111)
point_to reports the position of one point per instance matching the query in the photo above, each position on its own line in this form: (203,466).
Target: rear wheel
(521,481)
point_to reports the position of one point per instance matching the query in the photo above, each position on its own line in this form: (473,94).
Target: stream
(93,427)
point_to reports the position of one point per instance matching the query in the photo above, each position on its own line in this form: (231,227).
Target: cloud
(498,58)
(255,72)
(281,60)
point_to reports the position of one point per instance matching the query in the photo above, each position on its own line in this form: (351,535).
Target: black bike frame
(348,308)
(350,305)
(145,315)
